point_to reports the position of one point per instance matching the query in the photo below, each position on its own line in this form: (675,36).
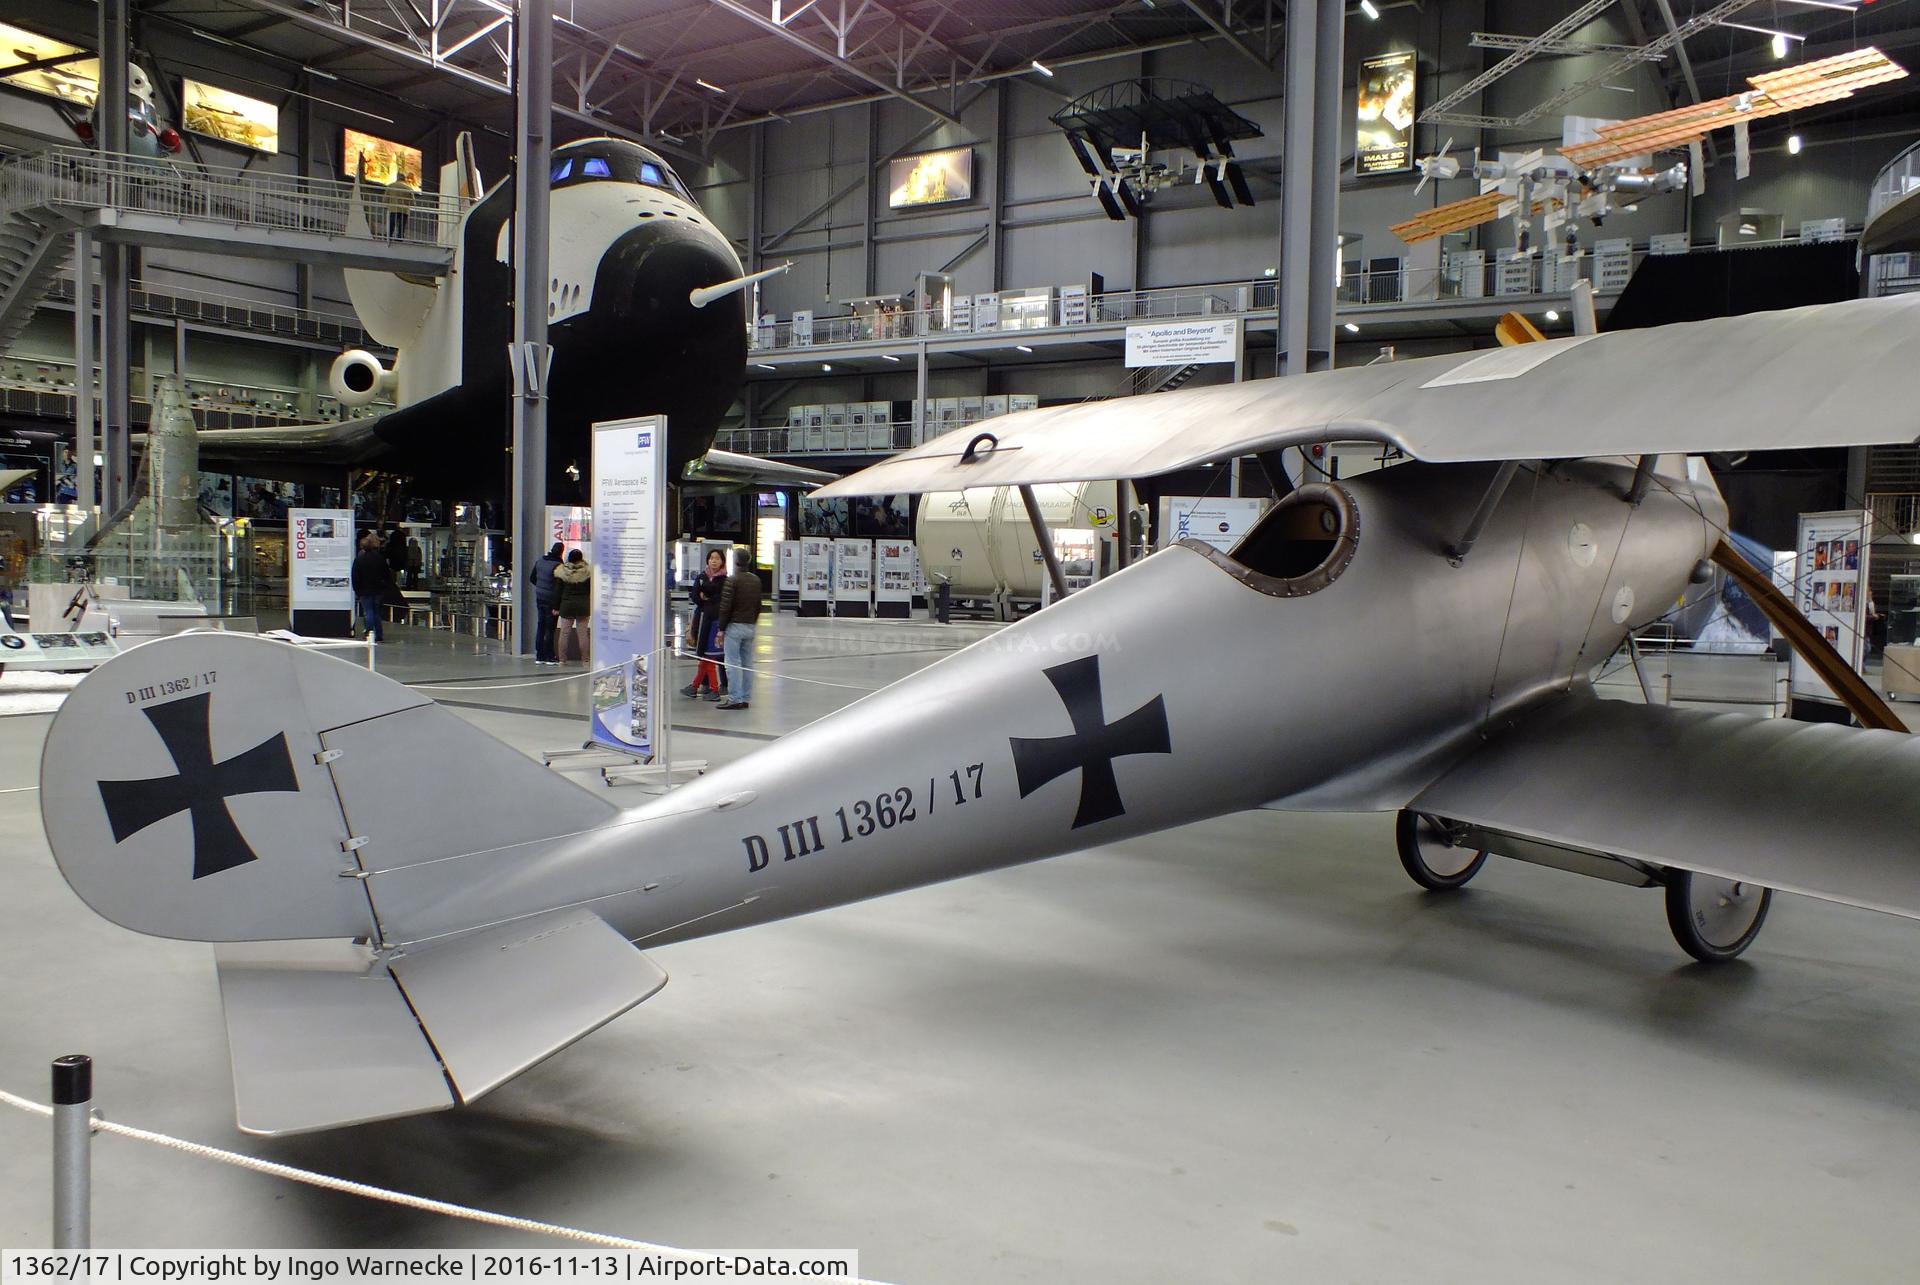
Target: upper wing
(1814,808)
(1831,375)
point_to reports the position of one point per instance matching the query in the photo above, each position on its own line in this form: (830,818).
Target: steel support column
(83,323)
(530,357)
(1293,288)
(920,392)
(116,330)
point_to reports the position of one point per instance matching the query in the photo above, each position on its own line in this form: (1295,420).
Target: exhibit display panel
(629,579)
(1217,521)
(1832,591)
(816,576)
(852,577)
(319,571)
(1900,665)
(787,584)
(893,578)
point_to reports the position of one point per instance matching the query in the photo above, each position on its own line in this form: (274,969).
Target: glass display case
(1903,611)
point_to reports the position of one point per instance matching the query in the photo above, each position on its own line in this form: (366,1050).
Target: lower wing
(1814,808)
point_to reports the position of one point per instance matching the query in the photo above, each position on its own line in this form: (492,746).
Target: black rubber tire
(1408,834)
(1689,929)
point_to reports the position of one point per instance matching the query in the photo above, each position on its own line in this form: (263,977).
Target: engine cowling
(357,377)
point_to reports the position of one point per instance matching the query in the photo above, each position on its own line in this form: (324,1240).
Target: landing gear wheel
(1432,853)
(1714,919)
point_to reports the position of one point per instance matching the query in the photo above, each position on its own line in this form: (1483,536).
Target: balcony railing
(1894,513)
(1900,176)
(1387,288)
(236,313)
(79,178)
(871,439)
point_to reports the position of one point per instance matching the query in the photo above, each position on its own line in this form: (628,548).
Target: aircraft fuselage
(1187,686)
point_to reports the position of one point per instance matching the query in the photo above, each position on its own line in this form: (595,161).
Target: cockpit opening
(1303,543)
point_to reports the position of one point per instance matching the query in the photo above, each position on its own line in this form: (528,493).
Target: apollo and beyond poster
(1383,115)
(629,580)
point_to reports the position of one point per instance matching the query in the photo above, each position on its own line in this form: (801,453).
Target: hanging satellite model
(1600,167)
(1115,131)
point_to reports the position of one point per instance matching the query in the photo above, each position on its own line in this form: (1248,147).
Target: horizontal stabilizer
(1830,375)
(323,1035)
(501,999)
(1814,808)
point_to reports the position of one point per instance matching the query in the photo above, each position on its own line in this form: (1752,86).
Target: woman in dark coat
(703,634)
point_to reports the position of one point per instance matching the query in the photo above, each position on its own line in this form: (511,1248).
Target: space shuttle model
(645,305)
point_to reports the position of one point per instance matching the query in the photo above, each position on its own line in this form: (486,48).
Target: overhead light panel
(887,356)
(1023,348)
(1367,7)
(707,84)
(1779,46)
(1553,315)
(763,365)
(1351,329)
(1793,145)
(827,366)
(1042,68)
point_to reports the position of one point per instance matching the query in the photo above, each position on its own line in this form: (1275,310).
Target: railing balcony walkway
(220,210)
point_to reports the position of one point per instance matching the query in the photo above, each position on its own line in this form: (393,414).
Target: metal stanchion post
(72,1155)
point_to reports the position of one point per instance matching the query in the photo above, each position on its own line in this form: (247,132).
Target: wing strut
(1861,700)
(1045,537)
(1457,551)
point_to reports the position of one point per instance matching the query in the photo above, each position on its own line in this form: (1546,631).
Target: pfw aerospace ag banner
(629,579)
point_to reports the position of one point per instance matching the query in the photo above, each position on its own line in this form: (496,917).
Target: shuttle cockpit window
(603,162)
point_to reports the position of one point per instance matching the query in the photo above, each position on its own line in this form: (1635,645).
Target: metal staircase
(33,254)
(1163,379)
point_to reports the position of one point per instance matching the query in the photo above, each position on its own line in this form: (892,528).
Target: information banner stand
(787,586)
(893,580)
(320,572)
(629,582)
(853,577)
(816,577)
(569,525)
(1831,591)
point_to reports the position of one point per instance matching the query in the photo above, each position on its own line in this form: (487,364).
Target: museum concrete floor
(1247,1050)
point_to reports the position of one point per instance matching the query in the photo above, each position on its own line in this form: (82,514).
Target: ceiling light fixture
(1023,348)
(1552,315)
(887,356)
(1779,46)
(1763,31)
(1042,68)
(1793,145)
(827,366)
(1351,329)
(707,84)
(763,365)
(1366,7)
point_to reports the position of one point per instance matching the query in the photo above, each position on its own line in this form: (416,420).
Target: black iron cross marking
(1094,744)
(200,787)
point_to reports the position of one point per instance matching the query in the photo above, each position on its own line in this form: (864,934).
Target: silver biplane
(394,939)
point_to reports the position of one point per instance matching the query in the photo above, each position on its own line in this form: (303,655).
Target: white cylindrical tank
(981,542)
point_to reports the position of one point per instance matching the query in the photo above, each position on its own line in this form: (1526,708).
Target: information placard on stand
(852,577)
(789,576)
(320,571)
(629,580)
(816,577)
(1831,591)
(893,579)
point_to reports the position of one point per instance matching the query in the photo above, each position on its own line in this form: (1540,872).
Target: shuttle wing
(1830,375)
(1814,808)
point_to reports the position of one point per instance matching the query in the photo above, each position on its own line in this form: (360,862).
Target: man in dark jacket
(739,617)
(546,596)
(371,580)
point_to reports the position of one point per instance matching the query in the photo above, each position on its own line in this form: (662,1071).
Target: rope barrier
(327,1182)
